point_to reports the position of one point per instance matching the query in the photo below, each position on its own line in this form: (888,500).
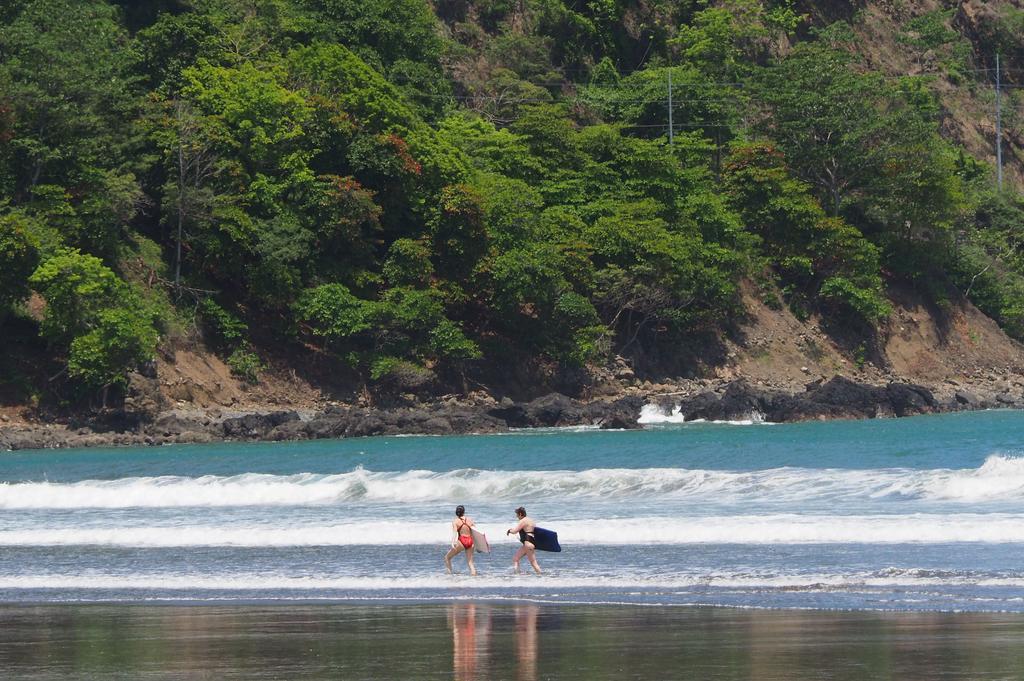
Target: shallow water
(924,513)
(526,642)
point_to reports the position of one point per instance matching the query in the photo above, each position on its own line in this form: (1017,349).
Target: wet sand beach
(524,641)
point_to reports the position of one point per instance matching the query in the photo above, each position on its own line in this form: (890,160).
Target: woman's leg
(531,555)
(469,561)
(518,557)
(452,552)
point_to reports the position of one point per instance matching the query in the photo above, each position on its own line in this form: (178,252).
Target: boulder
(475,421)
(554,409)
(512,413)
(436,426)
(966,398)
(366,424)
(172,423)
(256,425)
(693,407)
(907,399)
(326,425)
(847,395)
(143,400)
(739,400)
(621,414)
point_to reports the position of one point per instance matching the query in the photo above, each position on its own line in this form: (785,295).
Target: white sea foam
(644,531)
(1000,478)
(652,414)
(502,582)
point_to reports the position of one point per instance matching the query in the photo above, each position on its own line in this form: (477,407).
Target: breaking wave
(652,414)
(1000,478)
(641,531)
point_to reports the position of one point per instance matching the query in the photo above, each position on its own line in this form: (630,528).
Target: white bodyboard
(480,542)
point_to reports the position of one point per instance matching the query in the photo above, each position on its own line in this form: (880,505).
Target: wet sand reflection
(526,641)
(523,642)
(471,626)
(471,634)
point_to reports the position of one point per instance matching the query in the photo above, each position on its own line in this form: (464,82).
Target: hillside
(293,203)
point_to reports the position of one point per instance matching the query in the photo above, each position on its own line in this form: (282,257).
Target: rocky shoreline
(837,398)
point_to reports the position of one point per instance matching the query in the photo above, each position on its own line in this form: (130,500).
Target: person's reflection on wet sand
(526,641)
(470,638)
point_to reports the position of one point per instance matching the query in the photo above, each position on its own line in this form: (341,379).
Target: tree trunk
(181,206)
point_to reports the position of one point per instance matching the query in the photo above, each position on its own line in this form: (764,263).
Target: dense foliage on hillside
(417,191)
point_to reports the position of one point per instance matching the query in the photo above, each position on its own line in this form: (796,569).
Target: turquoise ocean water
(924,513)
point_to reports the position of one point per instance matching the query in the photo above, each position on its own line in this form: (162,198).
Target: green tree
(871,150)
(19,255)
(70,102)
(387,146)
(650,276)
(857,138)
(218,32)
(240,160)
(532,292)
(386,32)
(731,37)
(988,264)
(333,313)
(120,339)
(95,316)
(815,256)
(401,39)
(408,264)
(404,324)
(460,238)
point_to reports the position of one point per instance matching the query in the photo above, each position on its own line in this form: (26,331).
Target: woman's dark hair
(459,510)
(521,512)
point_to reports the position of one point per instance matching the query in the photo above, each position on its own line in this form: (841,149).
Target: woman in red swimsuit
(463,528)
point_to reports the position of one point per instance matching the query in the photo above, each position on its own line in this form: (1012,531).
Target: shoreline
(737,400)
(397,603)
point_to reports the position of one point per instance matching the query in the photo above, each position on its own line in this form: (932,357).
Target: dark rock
(619,422)
(513,414)
(31,438)
(290,430)
(436,426)
(413,420)
(143,400)
(191,436)
(837,398)
(740,400)
(622,414)
(369,424)
(966,398)
(691,408)
(475,421)
(324,426)
(172,424)
(554,409)
(849,396)
(785,408)
(256,425)
(907,399)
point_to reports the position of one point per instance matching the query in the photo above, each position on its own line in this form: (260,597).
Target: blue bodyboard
(546,540)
